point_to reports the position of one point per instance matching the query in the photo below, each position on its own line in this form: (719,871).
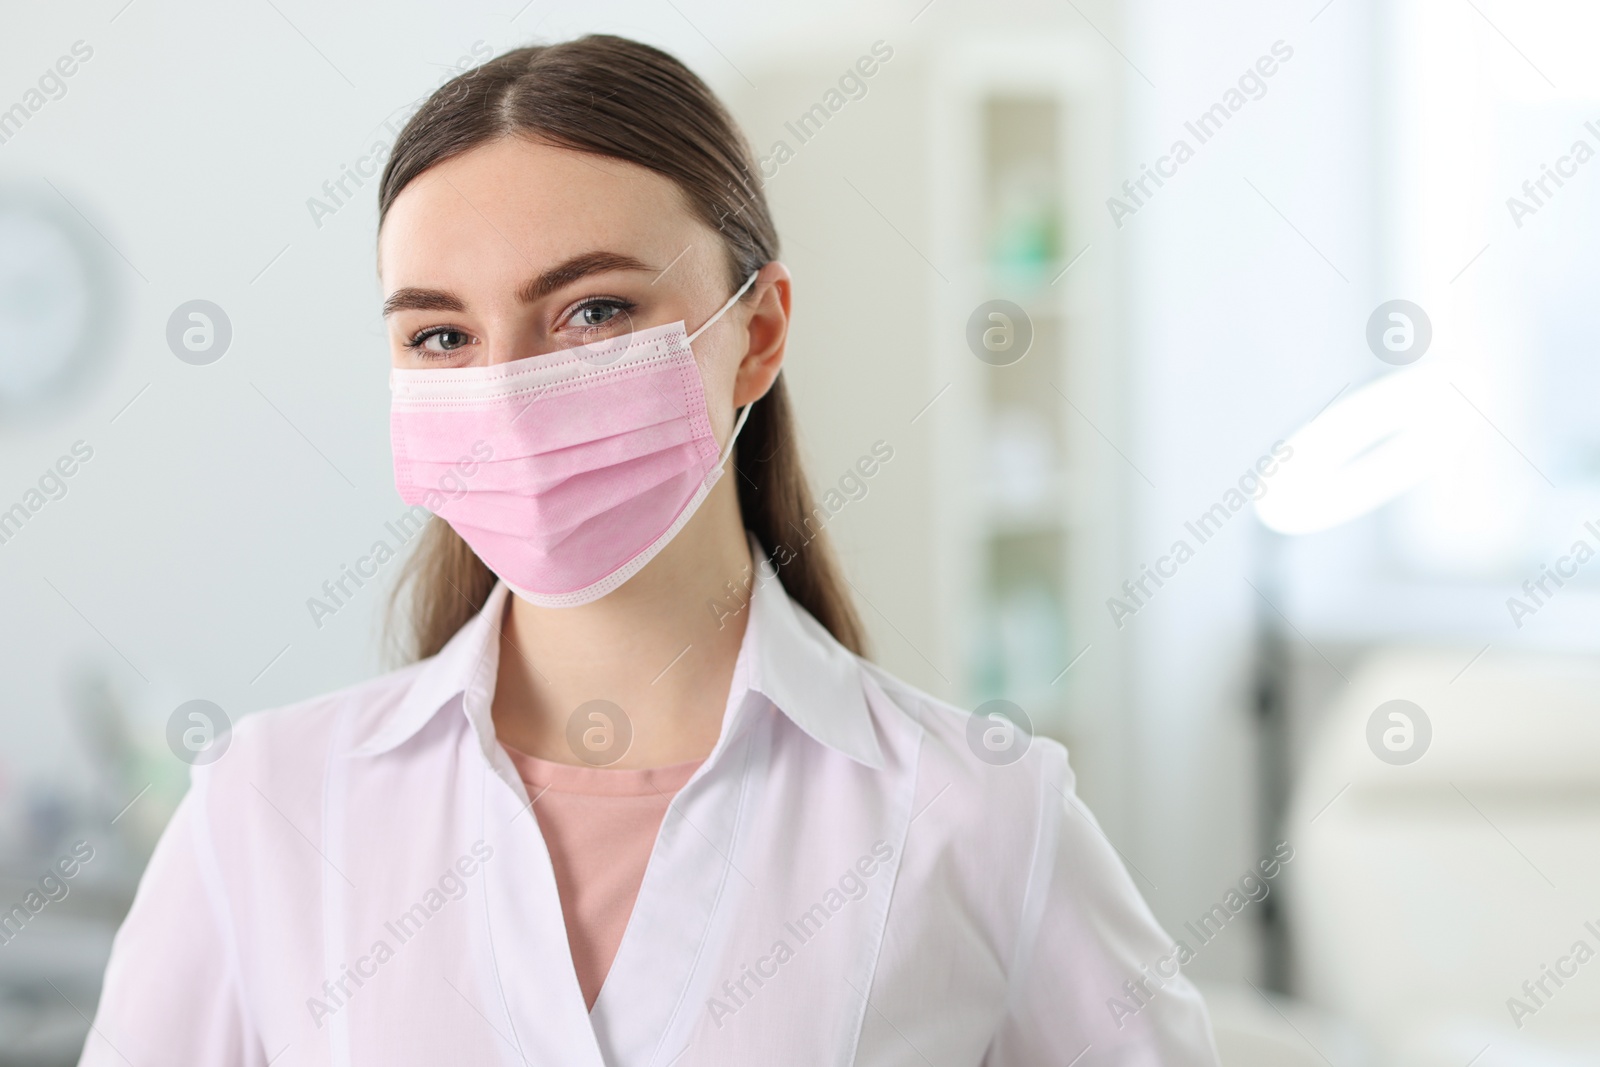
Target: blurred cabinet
(1030,511)
(972,168)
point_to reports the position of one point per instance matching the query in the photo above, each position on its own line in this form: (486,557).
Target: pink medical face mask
(567,472)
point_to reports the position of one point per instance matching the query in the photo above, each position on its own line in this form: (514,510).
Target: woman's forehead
(533,203)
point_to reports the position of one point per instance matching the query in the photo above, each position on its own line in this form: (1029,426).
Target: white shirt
(843,881)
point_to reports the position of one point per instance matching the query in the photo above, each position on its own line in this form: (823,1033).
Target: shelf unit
(1030,520)
(975,168)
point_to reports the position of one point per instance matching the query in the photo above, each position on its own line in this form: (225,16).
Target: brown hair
(625,100)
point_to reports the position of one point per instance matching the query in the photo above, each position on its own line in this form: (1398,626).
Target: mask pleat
(559,560)
(550,516)
(511,473)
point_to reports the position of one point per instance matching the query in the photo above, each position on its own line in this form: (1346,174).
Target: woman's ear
(767,332)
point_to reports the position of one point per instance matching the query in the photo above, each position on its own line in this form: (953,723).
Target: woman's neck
(661,648)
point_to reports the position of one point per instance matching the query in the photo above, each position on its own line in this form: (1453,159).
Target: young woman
(641,801)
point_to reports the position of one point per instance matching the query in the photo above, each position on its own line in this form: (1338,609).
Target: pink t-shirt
(600,825)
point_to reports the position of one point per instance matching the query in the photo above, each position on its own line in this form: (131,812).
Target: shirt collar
(791,659)
(468,662)
(805,672)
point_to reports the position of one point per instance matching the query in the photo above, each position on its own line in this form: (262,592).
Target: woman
(641,801)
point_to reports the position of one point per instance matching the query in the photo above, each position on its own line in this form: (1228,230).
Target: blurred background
(1233,362)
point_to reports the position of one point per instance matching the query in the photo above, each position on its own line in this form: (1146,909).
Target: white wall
(1239,332)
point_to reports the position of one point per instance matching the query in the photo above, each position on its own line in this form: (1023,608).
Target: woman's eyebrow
(564,273)
(413,299)
(578,266)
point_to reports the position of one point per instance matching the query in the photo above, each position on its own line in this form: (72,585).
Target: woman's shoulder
(976,739)
(1003,766)
(990,802)
(290,744)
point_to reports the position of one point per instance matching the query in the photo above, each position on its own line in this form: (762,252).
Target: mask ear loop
(738,424)
(744,412)
(732,300)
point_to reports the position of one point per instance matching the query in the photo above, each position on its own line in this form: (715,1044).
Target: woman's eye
(440,339)
(598,313)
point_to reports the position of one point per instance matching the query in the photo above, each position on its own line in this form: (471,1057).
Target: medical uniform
(842,881)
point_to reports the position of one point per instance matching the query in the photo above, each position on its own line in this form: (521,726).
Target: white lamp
(1366,449)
